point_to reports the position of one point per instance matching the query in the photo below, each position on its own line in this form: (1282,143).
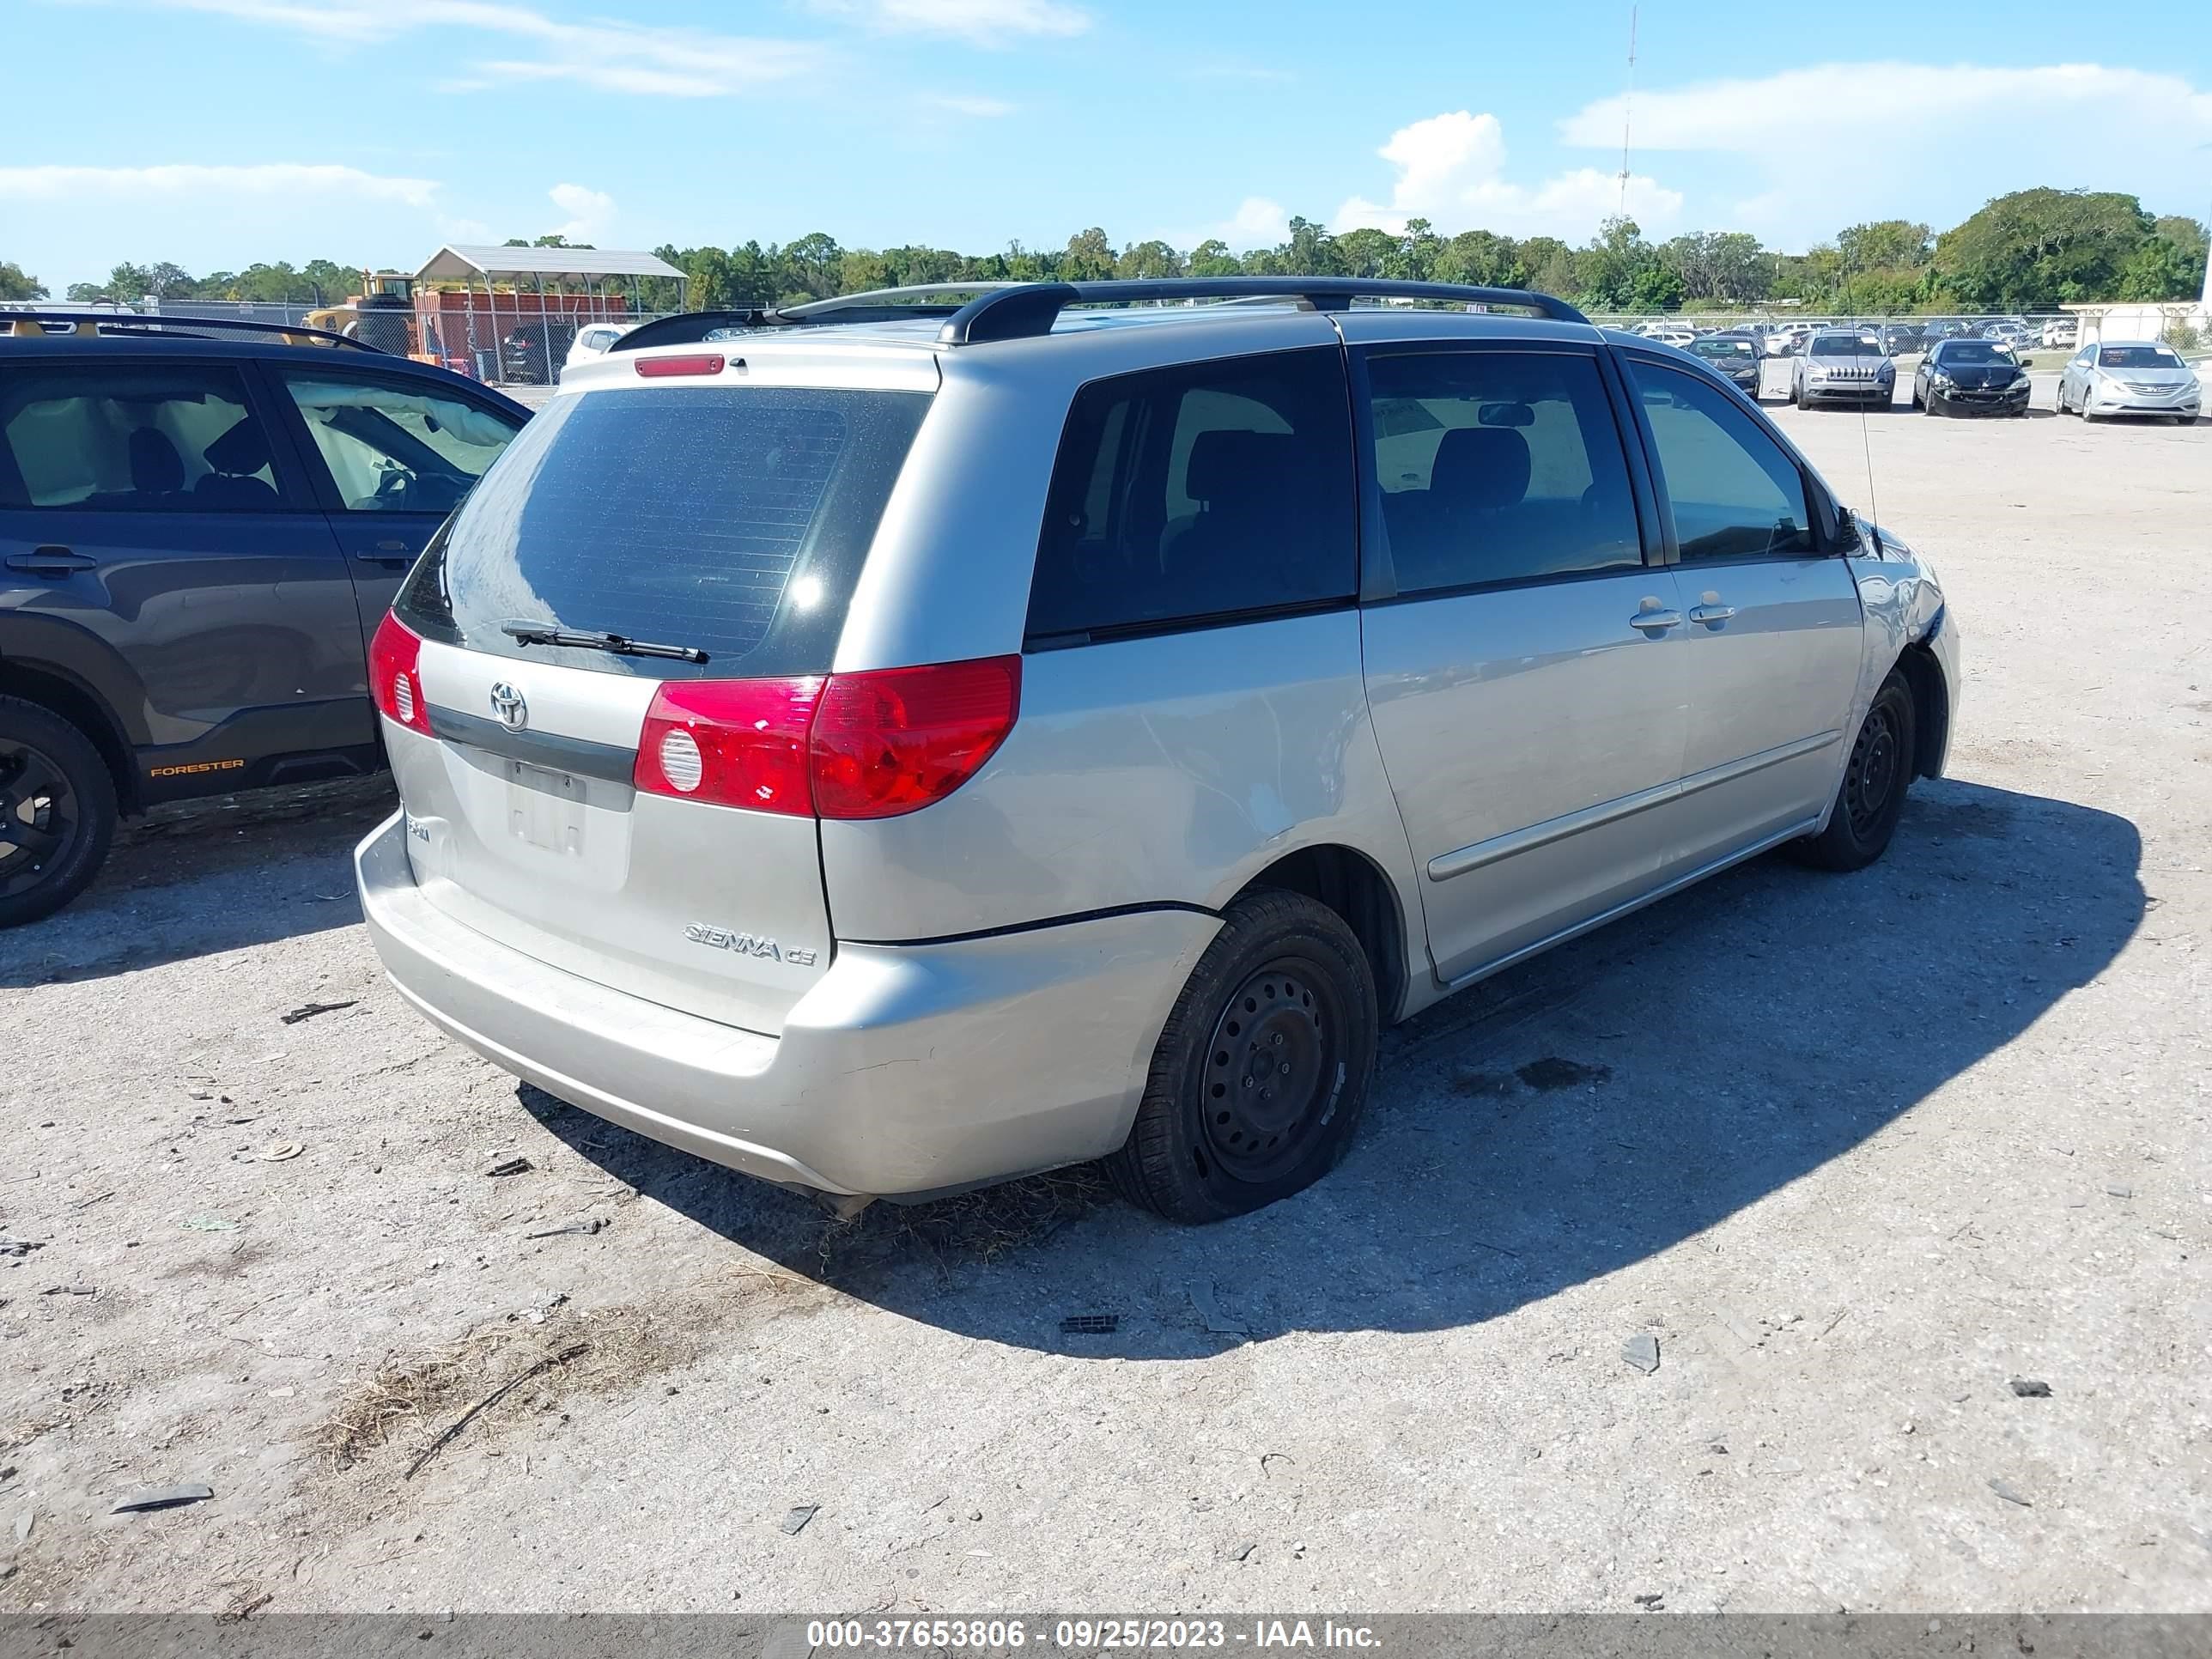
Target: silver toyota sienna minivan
(919,739)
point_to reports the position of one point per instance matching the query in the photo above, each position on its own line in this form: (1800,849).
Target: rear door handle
(1711,615)
(50,561)
(1655,622)
(387,552)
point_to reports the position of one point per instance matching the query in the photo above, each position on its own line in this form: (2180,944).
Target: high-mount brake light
(697,362)
(395,674)
(867,745)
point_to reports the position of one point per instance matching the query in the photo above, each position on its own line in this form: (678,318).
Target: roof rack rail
(880,305)
(901,301)
(154,325)
(689,327)
(1028,309)
(1013,310)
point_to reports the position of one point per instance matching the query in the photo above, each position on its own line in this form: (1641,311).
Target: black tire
(57,812)
(1285,978)
(1872,795)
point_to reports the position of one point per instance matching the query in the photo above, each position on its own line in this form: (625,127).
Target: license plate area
(545,808)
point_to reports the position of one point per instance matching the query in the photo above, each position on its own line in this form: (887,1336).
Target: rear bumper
(905,1069)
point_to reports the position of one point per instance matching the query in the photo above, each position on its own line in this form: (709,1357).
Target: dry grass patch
(978,1226)
(498,1371)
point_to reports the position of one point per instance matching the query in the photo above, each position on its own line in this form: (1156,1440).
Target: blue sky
(218,132)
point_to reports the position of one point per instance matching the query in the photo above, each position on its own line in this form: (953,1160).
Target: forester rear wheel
(57,812)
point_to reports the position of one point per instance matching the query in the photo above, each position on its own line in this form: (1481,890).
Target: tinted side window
(1735,493)
(396,448)
(1498,466)
(160,437)
(1203,490)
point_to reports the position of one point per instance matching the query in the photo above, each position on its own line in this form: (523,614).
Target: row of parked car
(1986,373)
(1899,338)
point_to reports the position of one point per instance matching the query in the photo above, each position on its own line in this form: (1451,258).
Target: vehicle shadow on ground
(1557,1122)
(202,875)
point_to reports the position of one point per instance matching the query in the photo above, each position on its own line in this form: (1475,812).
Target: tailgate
(537,838)
(685,539)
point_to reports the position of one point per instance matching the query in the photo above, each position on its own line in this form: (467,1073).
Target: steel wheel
(1876,769)
(1258,1078)
(1871,798)
(41,818)
(1268,1069)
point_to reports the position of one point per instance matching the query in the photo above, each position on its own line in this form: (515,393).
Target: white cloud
(612,56)
(590,212)
(982,109)
(1257,222)
(171,183)
(980,23)
(1451,172)
(1831,143)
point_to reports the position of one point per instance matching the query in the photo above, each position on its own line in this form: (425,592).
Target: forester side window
(155,438)
(1498,466)
(1207,490)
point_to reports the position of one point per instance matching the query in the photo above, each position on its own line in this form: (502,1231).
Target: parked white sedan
(2130,377)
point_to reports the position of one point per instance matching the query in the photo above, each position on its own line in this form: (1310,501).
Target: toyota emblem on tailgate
(507,702)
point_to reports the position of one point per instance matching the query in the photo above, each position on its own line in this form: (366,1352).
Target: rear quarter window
(1203,492)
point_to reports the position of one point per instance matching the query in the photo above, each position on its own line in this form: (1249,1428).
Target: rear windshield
(733,520)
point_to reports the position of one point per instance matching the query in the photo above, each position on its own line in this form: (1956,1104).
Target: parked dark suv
(532,355)
(199,529)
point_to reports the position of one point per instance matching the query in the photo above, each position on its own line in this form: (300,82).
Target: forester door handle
(50,562)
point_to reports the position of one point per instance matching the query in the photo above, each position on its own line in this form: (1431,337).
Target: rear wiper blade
(528,633)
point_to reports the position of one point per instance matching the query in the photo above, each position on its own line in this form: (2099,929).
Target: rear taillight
(895,739)
(868,745)
(395,674)
(704,362)
(736,743)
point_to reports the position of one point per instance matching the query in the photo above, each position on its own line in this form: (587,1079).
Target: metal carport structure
(581,273)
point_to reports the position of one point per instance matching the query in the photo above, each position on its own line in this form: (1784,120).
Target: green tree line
(320,281)
(2031,250)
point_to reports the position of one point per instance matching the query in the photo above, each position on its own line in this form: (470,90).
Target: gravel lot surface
(1857,1151)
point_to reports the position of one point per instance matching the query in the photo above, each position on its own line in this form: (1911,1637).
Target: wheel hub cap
(38,821)
(1267,1073)
(1875,760)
